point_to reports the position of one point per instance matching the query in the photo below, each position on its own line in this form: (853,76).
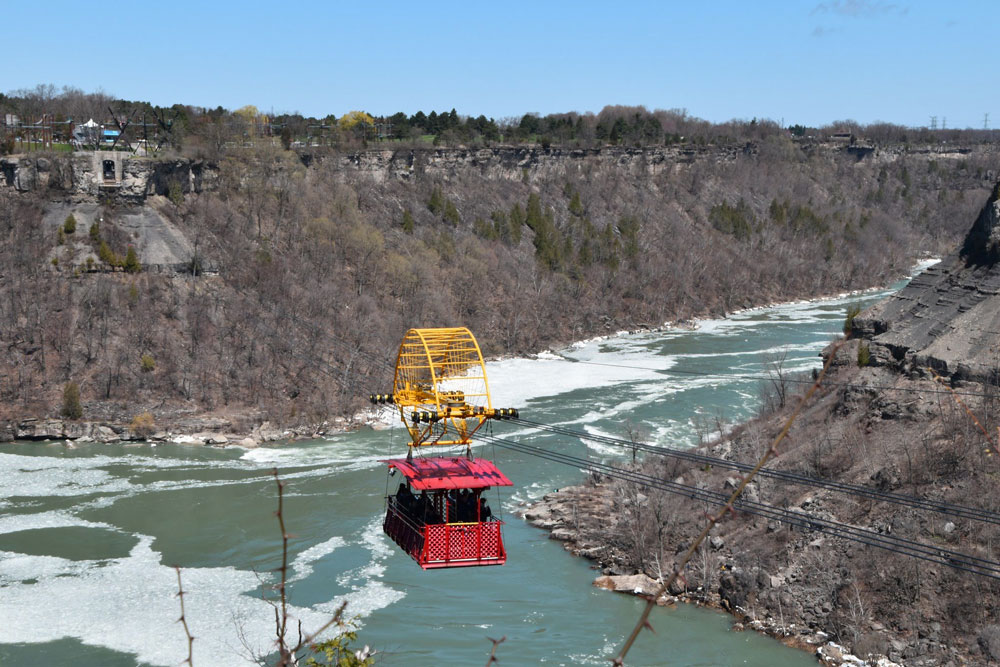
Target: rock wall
(948,318)
(79,176)
(522,163)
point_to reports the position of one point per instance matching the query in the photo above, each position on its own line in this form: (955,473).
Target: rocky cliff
(81,175)
(84,177)
(947,318)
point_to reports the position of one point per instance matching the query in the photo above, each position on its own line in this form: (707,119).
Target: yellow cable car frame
(440,386)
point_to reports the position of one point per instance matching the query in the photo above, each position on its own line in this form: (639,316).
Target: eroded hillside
(276,285)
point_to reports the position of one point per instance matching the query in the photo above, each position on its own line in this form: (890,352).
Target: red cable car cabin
(438,515)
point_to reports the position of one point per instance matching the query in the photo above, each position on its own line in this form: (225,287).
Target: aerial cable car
(438,514)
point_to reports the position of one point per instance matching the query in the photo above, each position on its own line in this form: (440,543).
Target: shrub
(451,213)
(864,355)
(71,407)
(70,225)
(853,310)
(147,363)
(131,263)
(107,255)
(436,203)
(175,192)
(143,425)
(485,229)
(737,220)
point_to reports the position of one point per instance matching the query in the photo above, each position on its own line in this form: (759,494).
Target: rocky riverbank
(564,512)
(215,431)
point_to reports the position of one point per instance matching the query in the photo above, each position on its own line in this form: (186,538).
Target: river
(89,533)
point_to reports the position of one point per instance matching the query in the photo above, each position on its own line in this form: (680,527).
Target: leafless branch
(493,652)
(287,654)
(183,619)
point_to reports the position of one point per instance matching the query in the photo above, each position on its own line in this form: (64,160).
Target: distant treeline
(202,131)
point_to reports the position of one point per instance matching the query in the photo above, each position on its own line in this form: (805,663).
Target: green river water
(89,534)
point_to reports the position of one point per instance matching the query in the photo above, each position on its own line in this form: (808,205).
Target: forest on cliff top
(202,132)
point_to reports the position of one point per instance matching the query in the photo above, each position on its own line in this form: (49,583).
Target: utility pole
(986,121)
(944,122)
(933,122)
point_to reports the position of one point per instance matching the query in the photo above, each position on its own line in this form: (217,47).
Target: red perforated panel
(437,543)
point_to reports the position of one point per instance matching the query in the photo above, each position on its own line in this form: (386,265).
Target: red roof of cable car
(427,474)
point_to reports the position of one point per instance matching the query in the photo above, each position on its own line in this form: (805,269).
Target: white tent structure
(89,133)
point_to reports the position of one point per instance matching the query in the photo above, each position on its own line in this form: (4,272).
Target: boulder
(637,584)
(104,434)
(734,587)
(989,641)
(266,432)
(562,534)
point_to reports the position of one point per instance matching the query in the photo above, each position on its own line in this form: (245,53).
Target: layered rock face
(82,176)
(948,318)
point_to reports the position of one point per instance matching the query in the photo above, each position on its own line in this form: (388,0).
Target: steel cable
(950,509)
(954,559)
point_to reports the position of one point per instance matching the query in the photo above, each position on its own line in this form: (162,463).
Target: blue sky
(810,62)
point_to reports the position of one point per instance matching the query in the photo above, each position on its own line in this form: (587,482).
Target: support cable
(949,509)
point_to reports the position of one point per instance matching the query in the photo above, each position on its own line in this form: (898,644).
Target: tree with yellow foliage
(248,118)
(352,119)
(357,124)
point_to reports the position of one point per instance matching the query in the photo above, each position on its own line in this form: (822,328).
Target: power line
(900,545)
(950,509)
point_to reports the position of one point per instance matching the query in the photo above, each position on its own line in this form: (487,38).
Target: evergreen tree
(71,407)
(436,203)
(628,228)
(451,213)
(132,264)
(106,255)
(419,120)
(516,215)
(408,223)
(533,215)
